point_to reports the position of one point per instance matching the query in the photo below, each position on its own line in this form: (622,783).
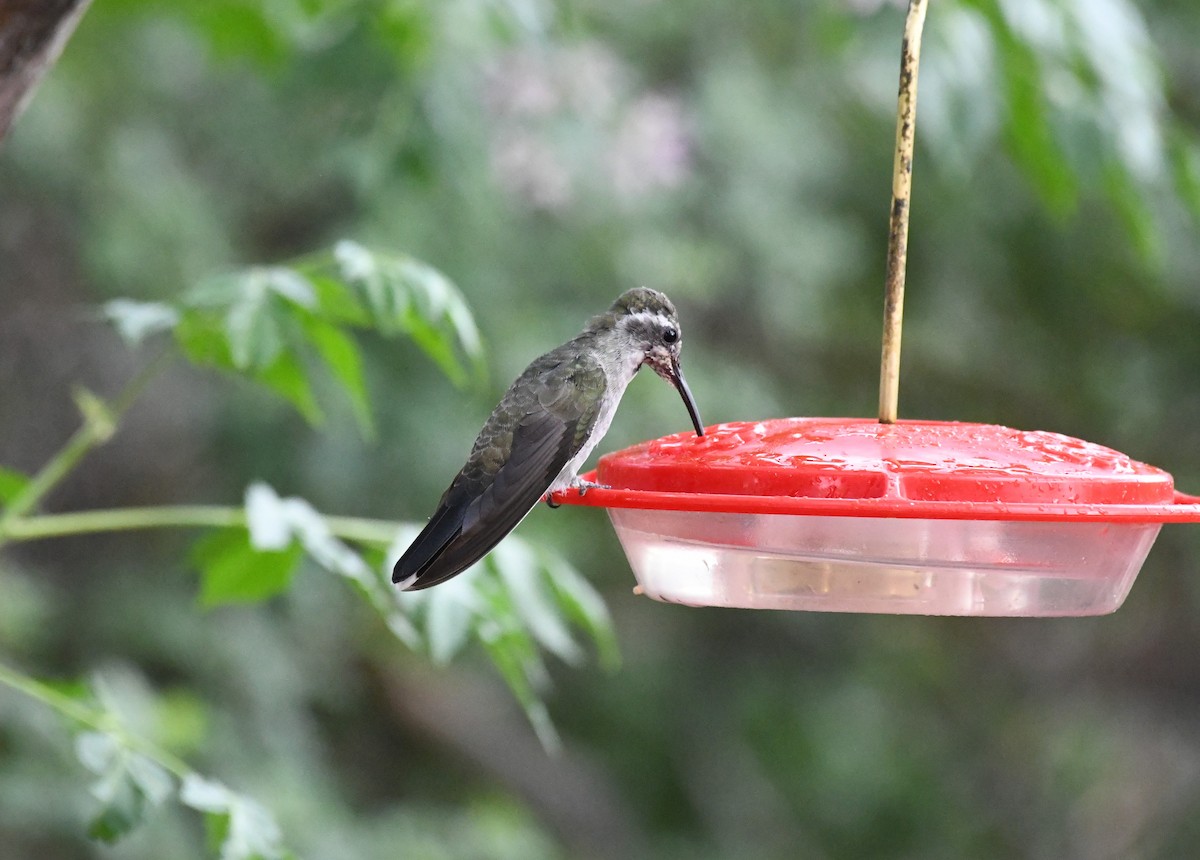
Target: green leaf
(520,602)
(151,778)
(434,344)
(513,654)
(238,30)
(136,321)
(337,302)
(450,617)
(342,357)
(436,316)
(501,604)
(123,809)
(97,751)
(181,720)
(216,831)
(129,784)
(521,574)
(241,827)
(1030,137)
(96,413)
(234,571)
(357,265)
(251,309)
(1185,163)
(271,518)
(286,377)
(253,346)
(122,693)
(202,343)
(268,323)
(289,284)
(12,482)
(1136,215)
(395,608)
(254,337)
(584,607)
(404,295)
(267,518)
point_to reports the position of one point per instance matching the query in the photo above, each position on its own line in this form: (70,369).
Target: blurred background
(547,155)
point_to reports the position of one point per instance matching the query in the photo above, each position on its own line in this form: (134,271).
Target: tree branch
(32,35)
(177,516)
(99,425)
(93,718)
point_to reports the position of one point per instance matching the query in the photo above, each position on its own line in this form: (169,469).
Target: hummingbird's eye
(670,335)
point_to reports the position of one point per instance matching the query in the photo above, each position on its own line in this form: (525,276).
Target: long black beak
(686,393)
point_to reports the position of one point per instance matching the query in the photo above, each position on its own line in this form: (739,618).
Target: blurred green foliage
(545,155)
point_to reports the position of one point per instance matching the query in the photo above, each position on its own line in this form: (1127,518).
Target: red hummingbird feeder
(916,517)
(887,516)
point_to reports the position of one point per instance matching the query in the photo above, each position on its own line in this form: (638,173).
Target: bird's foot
(583,486)
(579,485)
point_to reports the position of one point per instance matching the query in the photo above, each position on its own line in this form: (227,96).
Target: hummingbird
(542,431)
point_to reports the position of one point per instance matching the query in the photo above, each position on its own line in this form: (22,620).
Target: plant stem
(99,424)
(177,516)
(91,717)
(897,254)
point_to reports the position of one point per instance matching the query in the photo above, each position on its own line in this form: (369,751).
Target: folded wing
(478,510)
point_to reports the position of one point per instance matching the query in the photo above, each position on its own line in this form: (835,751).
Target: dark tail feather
(443,527)
(465,527)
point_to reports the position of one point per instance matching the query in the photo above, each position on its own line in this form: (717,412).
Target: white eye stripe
(658,321)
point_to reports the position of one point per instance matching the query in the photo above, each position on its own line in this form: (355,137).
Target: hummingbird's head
(646,329)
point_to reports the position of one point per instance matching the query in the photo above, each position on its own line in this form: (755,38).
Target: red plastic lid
(859,467)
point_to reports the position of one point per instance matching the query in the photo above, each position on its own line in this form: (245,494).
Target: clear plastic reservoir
(869,564)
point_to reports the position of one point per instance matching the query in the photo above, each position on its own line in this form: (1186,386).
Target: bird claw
(583,486)
(580,486)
